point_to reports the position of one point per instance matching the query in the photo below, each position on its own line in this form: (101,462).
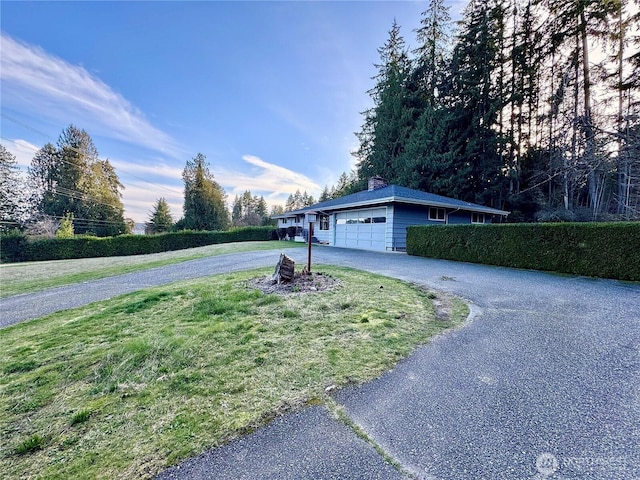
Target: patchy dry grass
(126,387)
(18,278)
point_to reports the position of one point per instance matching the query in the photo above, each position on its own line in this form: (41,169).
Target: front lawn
(126,387)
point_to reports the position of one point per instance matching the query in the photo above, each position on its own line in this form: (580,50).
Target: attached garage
(366,229)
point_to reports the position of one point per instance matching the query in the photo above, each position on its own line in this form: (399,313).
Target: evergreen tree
(476,173)
(72,179)
(249,210)
(12,192)
(204,198)
(160,219)
(325,195)
(388,125)
(348,183)
(425,160)
(433,38)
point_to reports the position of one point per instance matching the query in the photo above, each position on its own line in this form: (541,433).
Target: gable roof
(393,194)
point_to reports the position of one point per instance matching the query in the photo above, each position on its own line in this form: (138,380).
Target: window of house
(437,214)
(477,217)
(284,221)
(324,222)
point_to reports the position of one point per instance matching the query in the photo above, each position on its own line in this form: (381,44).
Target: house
(377,218)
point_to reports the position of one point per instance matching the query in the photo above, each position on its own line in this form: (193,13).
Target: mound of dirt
(302,283)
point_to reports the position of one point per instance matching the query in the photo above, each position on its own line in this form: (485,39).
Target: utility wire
(76,150)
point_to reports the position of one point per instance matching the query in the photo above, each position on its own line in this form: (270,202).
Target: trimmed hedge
(608,250)
(17,248)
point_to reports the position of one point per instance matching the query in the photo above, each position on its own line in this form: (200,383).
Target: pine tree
(249,210)
(325,195)
(160,219)
(388,125)
(72,179)
(433,38)
(424,161)
(476,174)
(12,192)
(204,198)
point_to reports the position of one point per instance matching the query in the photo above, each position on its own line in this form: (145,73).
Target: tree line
(512,111)
(66,183)
(69,190)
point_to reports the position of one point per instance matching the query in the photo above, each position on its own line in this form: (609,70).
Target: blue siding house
(377,218)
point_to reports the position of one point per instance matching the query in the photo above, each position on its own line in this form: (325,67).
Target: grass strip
(339,413)
(16,278)
(127,387)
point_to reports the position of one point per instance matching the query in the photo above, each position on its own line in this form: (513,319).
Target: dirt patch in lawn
(301,283)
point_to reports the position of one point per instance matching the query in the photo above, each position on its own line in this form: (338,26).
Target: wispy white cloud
(138,199)
(276,183)
(35,79)
(23,151)
(156,169)
(272,181)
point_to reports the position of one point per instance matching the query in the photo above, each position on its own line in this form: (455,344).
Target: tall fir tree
(476,174)
(425,157)
(160,219)
(73,179)
(204,199)
(387,126)
(248,210)
(13,195)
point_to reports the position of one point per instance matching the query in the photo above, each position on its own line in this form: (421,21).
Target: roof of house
(393,194)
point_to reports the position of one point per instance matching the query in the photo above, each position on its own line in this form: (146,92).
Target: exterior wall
(459,217)
(292,222)
(405,216)
(325,236)
(392,235)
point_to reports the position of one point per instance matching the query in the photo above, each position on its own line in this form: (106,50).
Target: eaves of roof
(393,194)
(410,201)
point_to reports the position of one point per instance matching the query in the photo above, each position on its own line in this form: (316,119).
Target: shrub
(12,246)
(608,250)
(18,248)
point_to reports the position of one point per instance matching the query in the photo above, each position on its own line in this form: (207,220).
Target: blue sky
(270,92)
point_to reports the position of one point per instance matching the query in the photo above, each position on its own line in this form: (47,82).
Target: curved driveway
(543,383)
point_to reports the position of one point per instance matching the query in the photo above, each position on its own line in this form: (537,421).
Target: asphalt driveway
(544,381)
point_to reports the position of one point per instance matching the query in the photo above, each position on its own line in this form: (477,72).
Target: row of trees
(205,205)
(298,200)
(70,190)
(63,180)
(513,112)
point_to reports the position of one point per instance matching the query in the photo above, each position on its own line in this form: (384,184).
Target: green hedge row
(608,250)
(18,248)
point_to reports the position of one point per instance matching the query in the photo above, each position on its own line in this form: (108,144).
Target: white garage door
(362,229)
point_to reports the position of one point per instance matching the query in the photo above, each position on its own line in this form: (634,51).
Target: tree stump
(284,269)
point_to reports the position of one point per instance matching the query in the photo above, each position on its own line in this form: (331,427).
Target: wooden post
(309,248)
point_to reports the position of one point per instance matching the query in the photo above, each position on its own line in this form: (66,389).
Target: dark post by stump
(284,269)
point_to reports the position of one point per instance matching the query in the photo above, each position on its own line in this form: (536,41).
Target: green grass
(16,278)
(126,387)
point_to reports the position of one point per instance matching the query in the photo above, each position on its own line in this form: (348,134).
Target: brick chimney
(377,182)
